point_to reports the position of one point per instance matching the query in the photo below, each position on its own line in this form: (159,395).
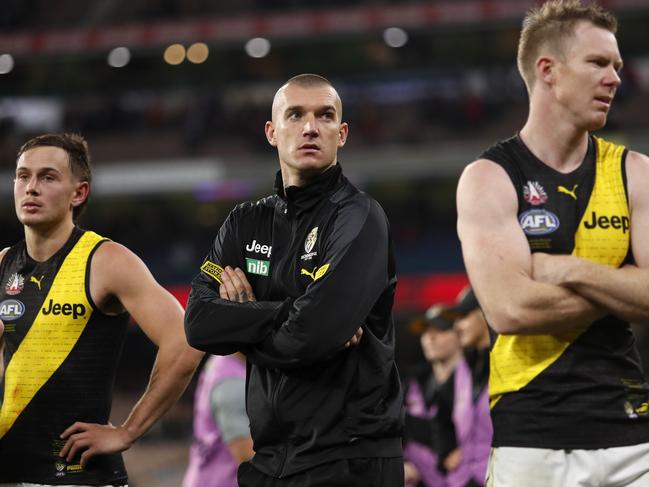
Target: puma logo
(307,273)
(317,273)
(571,193)
(37,281)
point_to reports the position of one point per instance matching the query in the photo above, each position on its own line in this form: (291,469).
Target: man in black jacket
(288,282)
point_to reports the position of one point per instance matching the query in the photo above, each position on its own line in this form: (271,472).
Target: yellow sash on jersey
(51,337)
(517,359)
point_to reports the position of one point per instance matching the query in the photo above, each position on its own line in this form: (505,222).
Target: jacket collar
(301,198)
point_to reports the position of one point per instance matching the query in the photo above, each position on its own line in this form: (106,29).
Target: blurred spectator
(469,408)
(221,429)
(448,429)
(429,387)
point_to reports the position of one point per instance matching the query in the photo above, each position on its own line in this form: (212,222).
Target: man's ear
(343,131)
(81,193)
(546,69)
(270,133)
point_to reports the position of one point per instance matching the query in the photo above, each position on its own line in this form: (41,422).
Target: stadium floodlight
(198,52)
(6,63)
(258,47)
(395,37)
(119,57)
(174,54)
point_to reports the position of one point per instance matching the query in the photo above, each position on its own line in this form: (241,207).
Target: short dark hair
(550,25)
(78,157)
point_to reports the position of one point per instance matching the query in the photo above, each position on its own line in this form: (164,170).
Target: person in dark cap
(471,324)
(462,429)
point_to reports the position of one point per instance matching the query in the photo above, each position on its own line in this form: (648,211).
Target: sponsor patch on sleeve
(212,270)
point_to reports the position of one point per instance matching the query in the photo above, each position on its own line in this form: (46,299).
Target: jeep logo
(258,248)
(603,221)
(65,309)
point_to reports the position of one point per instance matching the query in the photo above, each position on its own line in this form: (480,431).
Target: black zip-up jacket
(319,259)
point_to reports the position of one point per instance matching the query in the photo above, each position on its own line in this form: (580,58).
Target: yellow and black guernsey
(582,389)
(60,356)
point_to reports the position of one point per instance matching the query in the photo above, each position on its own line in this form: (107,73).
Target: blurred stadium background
(173,95)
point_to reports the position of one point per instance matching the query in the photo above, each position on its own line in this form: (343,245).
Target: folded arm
(217,324)
(499,262)
(221,326)
(353,274)
(623,291)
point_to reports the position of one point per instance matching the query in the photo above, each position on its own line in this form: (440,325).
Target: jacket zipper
(281,264)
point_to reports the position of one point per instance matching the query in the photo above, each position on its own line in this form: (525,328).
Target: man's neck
(555,141)
(43,243)
(300,178)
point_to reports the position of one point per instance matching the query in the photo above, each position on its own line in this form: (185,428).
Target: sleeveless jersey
(581,389)
(60,357)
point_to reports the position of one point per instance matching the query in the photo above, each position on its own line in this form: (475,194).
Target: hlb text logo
(65,309)
(259,267)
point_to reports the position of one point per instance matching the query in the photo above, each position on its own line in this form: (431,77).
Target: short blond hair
(550,25)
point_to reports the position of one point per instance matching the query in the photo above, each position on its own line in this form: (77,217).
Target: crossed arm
(301,330)
(235,287)
(624,291)
(512,287)
(119,276)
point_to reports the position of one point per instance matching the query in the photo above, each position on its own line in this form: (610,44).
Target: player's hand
(90,439)
(235,286)
(452,461)
(2,328)
(356,339)
(410,473)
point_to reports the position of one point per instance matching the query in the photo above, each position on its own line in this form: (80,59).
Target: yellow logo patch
(317,273)
(212,270)
(37,281)
(570,192)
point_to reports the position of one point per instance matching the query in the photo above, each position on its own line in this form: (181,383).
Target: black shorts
(352,472)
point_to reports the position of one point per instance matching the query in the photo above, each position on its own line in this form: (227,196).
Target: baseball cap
(434,317)
(466,302)
(437,317)
(421,323)
(442,316)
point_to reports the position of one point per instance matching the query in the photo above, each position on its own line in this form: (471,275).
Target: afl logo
(11,309)
(538,222)
(311,238)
